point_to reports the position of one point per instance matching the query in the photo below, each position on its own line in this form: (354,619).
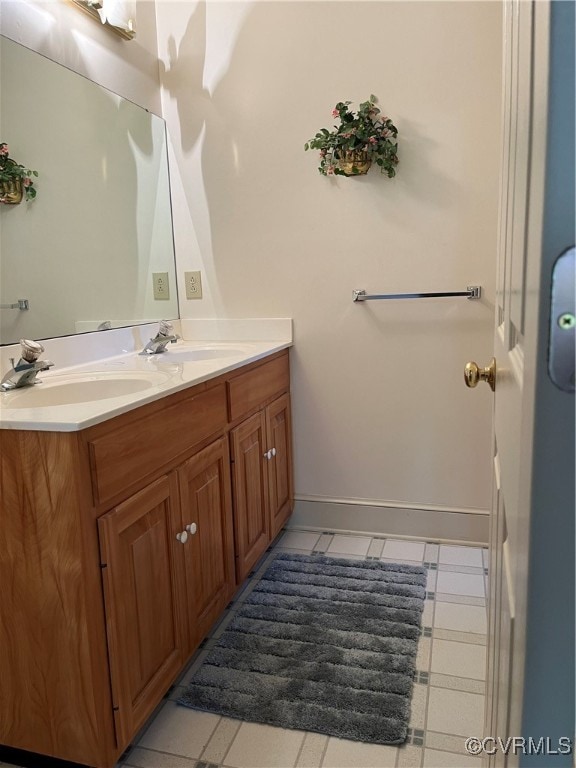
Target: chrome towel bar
(471,292)
(20,304)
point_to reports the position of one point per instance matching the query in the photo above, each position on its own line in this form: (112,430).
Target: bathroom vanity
(137,491)
(122,542)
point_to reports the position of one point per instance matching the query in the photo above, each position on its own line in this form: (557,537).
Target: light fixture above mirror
(117,15)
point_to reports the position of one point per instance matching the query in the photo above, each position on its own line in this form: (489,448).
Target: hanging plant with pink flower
(361,138)
(14,174)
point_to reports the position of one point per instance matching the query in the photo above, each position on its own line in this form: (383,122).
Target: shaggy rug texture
(320,644)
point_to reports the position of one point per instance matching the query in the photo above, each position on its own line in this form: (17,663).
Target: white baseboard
(449,525)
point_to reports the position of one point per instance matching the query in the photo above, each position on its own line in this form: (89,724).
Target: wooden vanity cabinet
(262,474)
(142,581)
(55,696)
(168,573)
(121,545)
(206,510)
(279,433)
(251,499)
(261,448)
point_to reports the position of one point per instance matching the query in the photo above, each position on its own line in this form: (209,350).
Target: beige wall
(380,409)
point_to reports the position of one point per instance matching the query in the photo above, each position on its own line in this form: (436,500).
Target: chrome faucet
(24,373)
(164,336)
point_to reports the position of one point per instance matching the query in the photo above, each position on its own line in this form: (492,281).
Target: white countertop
(152,376)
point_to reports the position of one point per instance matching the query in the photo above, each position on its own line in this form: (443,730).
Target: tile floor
(448,699)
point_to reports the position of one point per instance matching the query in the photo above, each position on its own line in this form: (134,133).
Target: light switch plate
(193,282)
(161,285)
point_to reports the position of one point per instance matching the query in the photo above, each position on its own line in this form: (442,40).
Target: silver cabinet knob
(273,451)
(268,455)
(192,528)
(182,537)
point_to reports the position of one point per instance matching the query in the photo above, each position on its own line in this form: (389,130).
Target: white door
(529,533)
(508,540)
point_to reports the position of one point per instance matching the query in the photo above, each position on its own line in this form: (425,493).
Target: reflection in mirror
(85,251)
(116,15)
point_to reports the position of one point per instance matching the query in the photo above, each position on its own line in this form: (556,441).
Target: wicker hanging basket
(11,192)
(354,162)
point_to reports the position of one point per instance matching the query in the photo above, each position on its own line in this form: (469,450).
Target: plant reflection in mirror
(15,174)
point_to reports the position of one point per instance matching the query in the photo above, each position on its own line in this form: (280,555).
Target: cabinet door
(251,500)
(279,436)
(206,506)
(142,587)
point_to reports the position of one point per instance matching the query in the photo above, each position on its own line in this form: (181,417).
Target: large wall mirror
(84,252)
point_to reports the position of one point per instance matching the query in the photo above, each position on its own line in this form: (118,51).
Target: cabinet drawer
(250,390)
(129,453)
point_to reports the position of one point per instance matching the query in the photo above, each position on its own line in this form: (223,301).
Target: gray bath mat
(321,644)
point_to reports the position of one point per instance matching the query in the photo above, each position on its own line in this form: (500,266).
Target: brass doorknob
(473,374)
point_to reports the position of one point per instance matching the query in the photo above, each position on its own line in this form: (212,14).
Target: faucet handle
(31,350)
(165,328)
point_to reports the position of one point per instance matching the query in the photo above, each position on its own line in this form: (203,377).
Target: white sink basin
(66,389)
(176,353)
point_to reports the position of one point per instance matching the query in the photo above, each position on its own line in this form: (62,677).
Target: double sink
(86,386)
(80,396)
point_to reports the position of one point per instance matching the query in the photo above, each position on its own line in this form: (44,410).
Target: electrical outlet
(193,281)
(161,285)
